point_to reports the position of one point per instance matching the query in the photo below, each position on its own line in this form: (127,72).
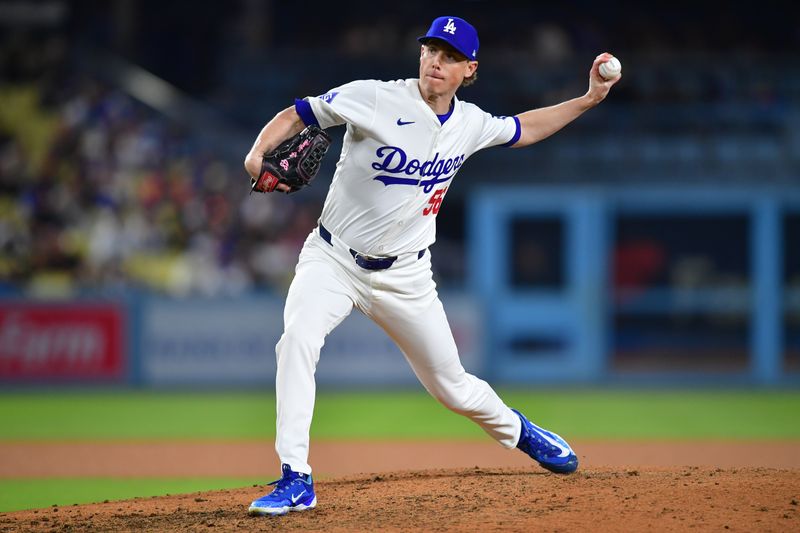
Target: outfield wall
(163,342)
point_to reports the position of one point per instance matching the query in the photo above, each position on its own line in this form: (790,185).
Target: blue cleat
(293,492)
(548,449)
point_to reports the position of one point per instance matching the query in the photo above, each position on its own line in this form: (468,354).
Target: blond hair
(469,81)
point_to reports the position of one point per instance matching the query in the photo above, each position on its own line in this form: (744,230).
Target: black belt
(365,261)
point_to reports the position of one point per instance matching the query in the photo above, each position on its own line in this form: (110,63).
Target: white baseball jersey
(397,161)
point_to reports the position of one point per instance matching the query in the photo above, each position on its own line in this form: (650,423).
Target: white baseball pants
(403,301)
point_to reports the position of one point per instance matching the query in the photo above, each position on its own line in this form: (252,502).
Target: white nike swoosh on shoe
(294,499)
(564,451)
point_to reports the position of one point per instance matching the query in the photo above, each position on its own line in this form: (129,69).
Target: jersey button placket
(434,147)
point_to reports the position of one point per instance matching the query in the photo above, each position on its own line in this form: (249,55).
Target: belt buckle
(369,262)
(367,258)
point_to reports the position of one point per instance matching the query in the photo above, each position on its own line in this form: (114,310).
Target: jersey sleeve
(495,131)
(352,103)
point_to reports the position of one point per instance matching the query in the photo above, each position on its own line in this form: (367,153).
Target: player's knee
(298,340)
(456,399)
(463,397)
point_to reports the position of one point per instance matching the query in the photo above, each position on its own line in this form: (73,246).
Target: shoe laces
(283,484)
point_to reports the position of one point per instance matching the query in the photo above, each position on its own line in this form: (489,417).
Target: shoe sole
(566,468)
(280,511)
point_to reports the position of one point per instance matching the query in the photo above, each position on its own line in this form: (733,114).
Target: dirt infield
(619,487)
(673,499)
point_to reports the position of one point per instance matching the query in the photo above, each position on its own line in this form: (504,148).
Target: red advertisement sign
(70,341)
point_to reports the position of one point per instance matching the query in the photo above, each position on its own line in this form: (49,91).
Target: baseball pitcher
(405,142)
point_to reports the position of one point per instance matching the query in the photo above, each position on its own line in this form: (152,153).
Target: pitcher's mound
(469,500)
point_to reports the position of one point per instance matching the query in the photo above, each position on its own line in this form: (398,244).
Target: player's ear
(472,66)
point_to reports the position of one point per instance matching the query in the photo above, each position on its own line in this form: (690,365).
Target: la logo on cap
(465,40)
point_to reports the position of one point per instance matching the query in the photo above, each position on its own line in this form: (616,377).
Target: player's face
(442,68)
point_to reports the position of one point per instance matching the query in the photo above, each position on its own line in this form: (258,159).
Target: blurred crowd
(99,192)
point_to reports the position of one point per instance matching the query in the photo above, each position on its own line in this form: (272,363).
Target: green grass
(407,415)
(17,494)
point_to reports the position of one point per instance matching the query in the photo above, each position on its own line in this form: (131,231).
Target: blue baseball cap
(456,32)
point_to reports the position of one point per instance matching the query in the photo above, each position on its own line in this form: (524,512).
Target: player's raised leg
(426,340)
(421,331)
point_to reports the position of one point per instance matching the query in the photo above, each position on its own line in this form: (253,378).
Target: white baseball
(610,69)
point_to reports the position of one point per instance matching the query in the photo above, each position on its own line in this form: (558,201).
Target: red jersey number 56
(435,202)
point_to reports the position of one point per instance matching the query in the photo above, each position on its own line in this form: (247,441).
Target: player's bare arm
(539,124)
(284,125)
